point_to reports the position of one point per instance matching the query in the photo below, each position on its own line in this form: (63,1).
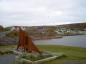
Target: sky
(41,12)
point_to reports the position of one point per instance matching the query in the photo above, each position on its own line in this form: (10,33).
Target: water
(79,40)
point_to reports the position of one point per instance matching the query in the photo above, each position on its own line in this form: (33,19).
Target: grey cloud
(39,12)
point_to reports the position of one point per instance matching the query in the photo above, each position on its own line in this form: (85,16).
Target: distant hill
(69,26)
(79,26)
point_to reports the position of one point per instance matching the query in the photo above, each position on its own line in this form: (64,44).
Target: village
(42,32)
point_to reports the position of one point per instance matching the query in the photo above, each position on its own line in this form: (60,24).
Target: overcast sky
(42,12)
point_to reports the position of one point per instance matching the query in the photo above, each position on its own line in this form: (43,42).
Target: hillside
(79,26)
(44,32)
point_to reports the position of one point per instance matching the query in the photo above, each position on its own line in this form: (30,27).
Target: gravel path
(7,59)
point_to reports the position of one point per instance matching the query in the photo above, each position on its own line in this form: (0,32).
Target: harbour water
(79,40)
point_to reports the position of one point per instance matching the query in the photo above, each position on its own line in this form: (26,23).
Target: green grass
(71,53)
(6,49)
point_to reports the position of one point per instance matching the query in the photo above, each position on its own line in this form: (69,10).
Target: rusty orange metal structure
(25,42)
